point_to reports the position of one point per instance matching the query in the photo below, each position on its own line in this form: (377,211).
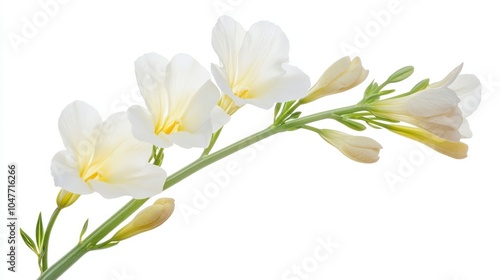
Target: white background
(439,221)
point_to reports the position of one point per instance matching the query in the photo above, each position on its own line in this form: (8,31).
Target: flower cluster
(437,112)
(122,155)
(184,107)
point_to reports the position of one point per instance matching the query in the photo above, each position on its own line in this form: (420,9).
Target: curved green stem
(312,128)
(44,252)
(88,243)
(214,138)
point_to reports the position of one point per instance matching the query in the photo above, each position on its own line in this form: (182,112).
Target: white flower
(342,75)
(254,64)
(103,156)
(181,102)
(468,89)
(437,108)
(358,148)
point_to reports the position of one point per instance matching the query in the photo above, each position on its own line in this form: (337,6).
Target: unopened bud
(342,75)
(65,199)
(358,148)
(148,219)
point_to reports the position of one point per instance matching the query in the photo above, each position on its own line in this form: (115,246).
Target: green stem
(58,268)
(214,138)
(311,128)
(46,237)
(87,244)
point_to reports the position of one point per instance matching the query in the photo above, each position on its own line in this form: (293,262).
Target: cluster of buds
(435,113)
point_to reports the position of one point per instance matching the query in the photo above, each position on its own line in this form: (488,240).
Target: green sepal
(105,245)
(349,123)
(84,229)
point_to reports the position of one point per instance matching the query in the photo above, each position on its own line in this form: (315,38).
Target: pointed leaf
(39,232)
(277,108)
(369,88)
(288,105)
(294,115)
(29,241)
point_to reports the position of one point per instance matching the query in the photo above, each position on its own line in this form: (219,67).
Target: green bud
(65,199)
(400,75)
(420,86)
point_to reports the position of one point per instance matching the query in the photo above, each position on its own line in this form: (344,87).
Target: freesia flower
(148,219)
(358,148)
(436,109)
(103,157)
(181,102)
(254,65)
(452,149)
(342,75)
(468,89)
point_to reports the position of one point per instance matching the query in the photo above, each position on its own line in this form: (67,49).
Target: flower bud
(457,150)
(65,199)
(148,219)
(358,148)
(342,75)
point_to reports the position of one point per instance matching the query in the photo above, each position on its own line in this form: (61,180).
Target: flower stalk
(58,268)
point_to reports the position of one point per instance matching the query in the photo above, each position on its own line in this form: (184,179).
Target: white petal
(138,180)
(293,85)
(468,89)
(264,50)
(219,118)
(221,79)
(143,127)
(199,138)
(199,109)
(66,174)
(185,76)
(227,37)
(448,79)
(117,141)
(431,102)
(121,162)
(441,127)
(77,125)
(150,71)
(465,130)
